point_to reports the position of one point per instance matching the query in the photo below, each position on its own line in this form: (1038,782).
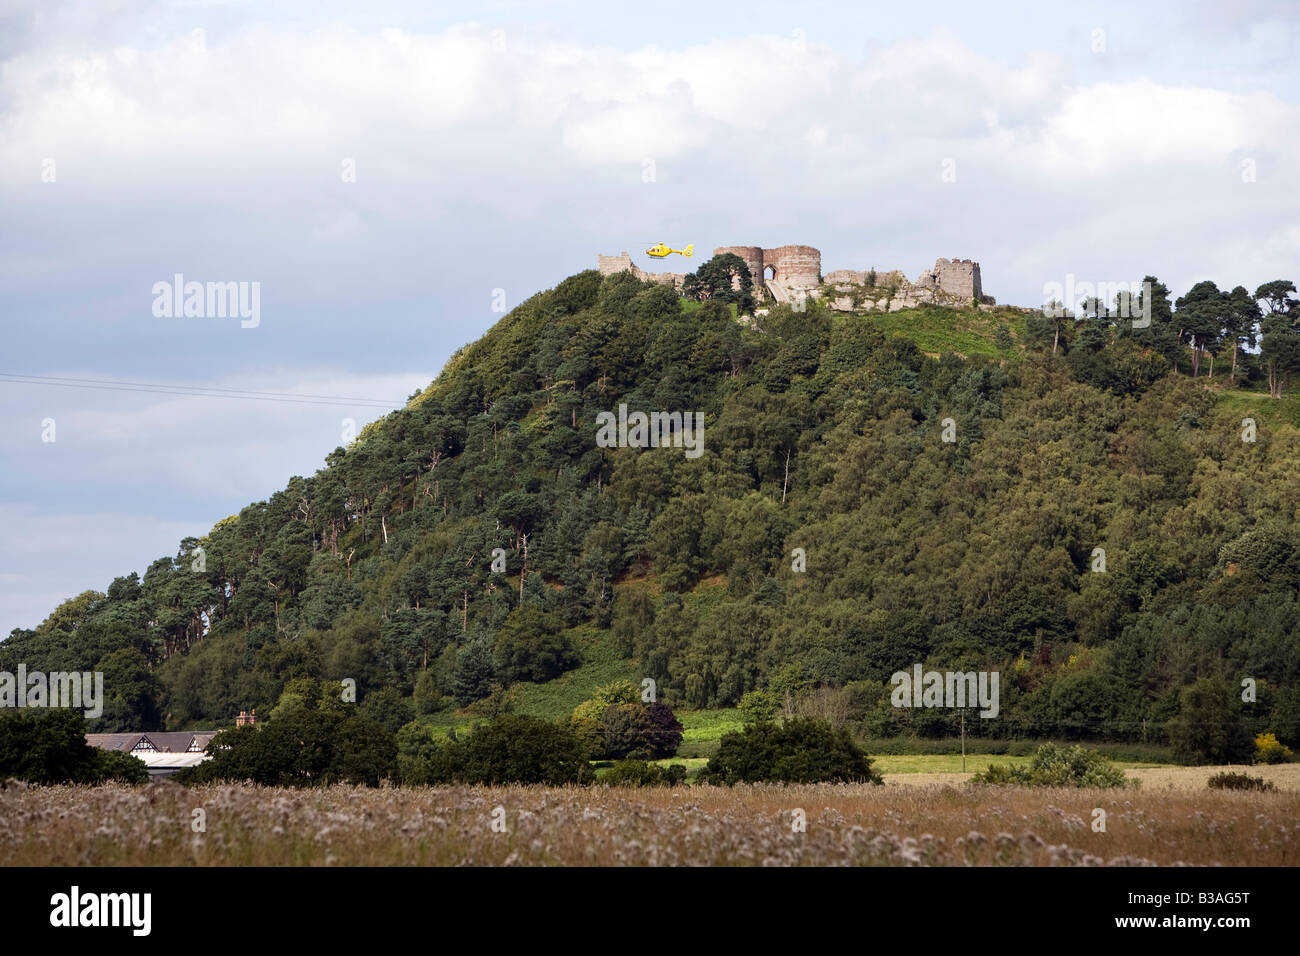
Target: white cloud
(480,167)
(255,124)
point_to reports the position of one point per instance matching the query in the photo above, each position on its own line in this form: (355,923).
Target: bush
(661,731)
(1053,766)
(509,749)
(1268,749)
(614,724)
(40,745)
(801,750)
(1239,781)
(647,733)
(122,767)
(620,730)
(1209,728)
(301,747)
(757,707)
(640,773)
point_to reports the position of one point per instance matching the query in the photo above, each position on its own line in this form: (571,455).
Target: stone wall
(950,282)
(884,277)
(753,258)
(795,267)
(608,265)
(959,277)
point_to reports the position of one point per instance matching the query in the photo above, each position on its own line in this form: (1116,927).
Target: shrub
(1053,766)
(41,745)
(614,724)
(802,750)
(1239,781)
(620,729)
(1268,749)
(301,747)
(640,773)
(509,749)
(1209,728)
(661,731)
(115,765)
(757,707)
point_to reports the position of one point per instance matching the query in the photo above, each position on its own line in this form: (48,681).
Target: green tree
(724,277)
(508,749)
(1209,727)
(1278,297)
(1240,322)
(530,647)
(1202,314)
(49,746)
(801,750)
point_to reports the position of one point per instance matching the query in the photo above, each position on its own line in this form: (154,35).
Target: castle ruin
(794,267)
(777,272)
(608,265)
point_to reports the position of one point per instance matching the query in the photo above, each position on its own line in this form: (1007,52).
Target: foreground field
(932,771)
(845,825)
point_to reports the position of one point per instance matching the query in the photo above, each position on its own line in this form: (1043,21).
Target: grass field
(707,727)
(601,666)
(939,330)
(684,826)
(951,763)
(1266,411)
(1149,777)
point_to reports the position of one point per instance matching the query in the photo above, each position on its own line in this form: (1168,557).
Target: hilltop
(479,543)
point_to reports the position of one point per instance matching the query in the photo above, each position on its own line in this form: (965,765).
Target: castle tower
(795,267)
(753,258)
(959,277)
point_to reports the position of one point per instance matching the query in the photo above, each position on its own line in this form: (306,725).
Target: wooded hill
(823,433)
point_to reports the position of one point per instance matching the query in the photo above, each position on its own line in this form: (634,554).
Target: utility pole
(963,741)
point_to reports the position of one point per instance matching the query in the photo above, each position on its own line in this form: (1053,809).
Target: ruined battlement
(950,282)
(608,265)
(957,277)
(795,267)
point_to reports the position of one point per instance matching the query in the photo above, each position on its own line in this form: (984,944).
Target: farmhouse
(162,752)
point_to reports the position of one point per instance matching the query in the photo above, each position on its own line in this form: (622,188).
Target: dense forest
(1081,508)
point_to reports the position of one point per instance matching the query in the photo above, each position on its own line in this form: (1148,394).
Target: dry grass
(1284,776)
(846,825)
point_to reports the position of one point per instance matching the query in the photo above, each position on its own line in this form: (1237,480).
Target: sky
(388,176)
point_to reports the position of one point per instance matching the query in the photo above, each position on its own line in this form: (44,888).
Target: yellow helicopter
(659,250)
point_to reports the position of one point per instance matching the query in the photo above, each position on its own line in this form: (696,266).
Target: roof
(164,765)
(175,742)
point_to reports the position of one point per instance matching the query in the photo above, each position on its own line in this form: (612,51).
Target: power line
(195,391)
